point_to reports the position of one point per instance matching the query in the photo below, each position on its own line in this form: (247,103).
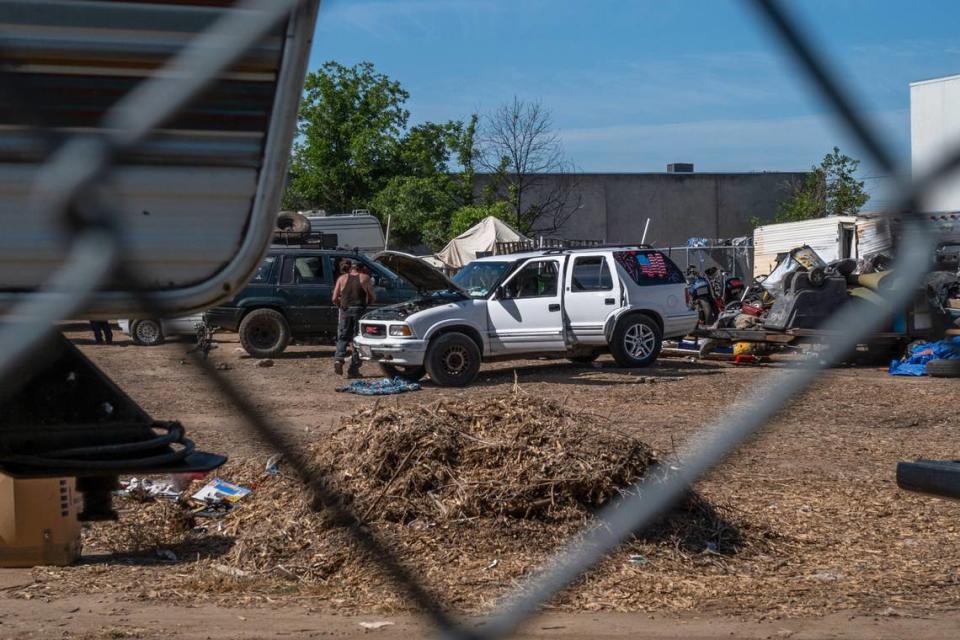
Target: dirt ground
(837,550)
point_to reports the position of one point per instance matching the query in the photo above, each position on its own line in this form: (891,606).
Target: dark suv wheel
(264,333)
(636,341)
(453,360)
(148,333)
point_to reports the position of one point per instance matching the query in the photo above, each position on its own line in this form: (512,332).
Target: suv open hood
(425,278)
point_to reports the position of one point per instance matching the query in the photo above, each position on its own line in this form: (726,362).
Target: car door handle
(610,301)
(553,307)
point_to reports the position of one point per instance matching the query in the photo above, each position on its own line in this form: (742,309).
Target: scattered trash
(597,365)
(493,564)
(384,387)
(638,560)
(265,363)
(272,467)
(144,489)
(218,490)
(184,362)
(239,350)
(233,572)
(222,366)
(375,626)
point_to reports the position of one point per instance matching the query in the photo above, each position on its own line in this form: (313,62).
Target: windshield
(479,278)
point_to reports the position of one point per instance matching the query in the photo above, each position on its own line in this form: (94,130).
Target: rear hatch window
(649,267)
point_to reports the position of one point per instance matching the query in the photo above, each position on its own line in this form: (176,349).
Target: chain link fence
(78,163)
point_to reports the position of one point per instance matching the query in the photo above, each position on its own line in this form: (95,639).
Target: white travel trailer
(358,230)
(833,238)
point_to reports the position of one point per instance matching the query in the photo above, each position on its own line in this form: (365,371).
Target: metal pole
(643,240)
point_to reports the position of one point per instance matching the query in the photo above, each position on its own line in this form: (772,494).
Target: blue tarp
(384,387)
(915,363)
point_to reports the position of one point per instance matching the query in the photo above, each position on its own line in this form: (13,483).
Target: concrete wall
(935,130)
(615,206)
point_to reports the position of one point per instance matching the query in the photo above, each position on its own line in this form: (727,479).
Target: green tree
(421,202)
(419,209)
(351,124)
(355,150)
(830,189)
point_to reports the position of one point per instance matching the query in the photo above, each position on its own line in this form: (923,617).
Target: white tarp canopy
(480,238)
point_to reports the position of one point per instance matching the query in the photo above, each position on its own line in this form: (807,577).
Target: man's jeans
(346,329)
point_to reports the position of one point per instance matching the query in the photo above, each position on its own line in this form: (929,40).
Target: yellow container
(38,522)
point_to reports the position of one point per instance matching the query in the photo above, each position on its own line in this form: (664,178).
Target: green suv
(290,298)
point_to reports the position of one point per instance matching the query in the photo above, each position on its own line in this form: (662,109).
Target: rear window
(648,267)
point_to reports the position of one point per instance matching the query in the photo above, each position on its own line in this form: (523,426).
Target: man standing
(351,294)
(101,330)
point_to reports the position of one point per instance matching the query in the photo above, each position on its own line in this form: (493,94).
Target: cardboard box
(38,522)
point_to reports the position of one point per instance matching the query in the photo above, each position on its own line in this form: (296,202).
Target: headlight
(400,331)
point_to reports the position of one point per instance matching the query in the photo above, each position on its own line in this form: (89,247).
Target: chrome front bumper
(399,352)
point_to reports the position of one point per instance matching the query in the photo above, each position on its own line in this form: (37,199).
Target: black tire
(636,341)
(264,333)
(147,333)
(706,314)
(943,368)
(410,373)
(453,360)
(583,360)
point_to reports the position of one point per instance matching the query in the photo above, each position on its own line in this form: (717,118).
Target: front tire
(410,373)
(453,360)
(264,333)
(636,341)
(147,333)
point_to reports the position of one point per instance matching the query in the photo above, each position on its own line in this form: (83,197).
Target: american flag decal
(652,265)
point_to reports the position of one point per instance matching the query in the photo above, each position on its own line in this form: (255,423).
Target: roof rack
(629,245)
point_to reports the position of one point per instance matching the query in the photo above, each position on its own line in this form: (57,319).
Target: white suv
(571,303)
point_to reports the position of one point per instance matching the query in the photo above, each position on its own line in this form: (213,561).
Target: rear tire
(264,333)
(410,373)
(453,360)
(147,333)
(943,368)
(705,312)
(636,341)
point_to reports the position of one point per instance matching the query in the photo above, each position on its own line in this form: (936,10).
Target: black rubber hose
(174,436)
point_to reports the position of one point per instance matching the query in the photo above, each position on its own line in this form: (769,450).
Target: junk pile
(803,290)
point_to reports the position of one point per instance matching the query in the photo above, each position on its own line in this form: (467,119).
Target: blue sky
(636,84)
